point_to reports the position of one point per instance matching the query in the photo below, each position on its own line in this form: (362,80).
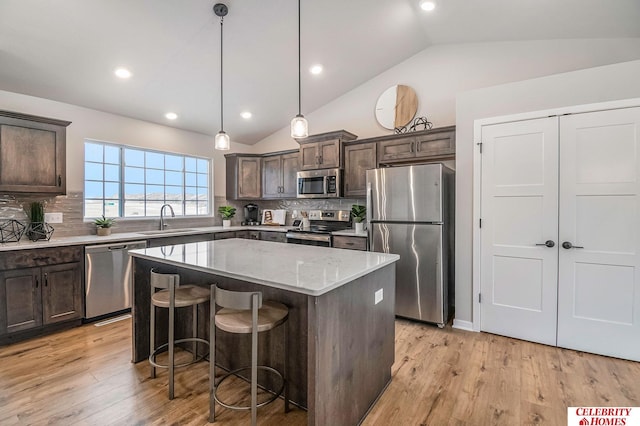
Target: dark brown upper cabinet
(358,158)
(434,144)
(32,154)
(323,151)
(279,175)
(244,176)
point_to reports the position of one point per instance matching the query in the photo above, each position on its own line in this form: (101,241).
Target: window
(121,181)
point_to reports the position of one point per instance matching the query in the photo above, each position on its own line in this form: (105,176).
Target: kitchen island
(341,316)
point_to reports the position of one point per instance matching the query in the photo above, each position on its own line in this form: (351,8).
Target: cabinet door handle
(417,146)
(46,279)
(321,159)
(59,180)
(412,146)
(37,282)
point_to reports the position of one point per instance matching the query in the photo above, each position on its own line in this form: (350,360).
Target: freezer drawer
(420,290)
(107,280)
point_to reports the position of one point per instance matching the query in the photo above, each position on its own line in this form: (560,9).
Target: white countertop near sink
(25,243)
(299,268)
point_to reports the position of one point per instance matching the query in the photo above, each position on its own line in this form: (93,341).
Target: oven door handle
(308,237)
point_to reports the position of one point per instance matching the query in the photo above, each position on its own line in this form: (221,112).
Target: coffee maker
(251,213)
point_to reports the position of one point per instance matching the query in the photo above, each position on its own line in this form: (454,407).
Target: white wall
(92,124)
(600,84)
(439,73)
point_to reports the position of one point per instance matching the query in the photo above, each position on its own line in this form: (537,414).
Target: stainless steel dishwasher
(107,278)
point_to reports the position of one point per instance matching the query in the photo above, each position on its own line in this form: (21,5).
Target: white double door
(560,234)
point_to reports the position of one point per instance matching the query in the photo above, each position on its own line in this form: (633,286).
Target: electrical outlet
(53,217)
(378,296)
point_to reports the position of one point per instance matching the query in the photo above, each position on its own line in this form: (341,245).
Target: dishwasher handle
(129,245)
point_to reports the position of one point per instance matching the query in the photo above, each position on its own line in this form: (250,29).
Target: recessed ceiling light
(171,115)
(246,115)
(427,5)
(122,72)
(316,69)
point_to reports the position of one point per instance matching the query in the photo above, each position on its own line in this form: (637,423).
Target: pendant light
(299,125)
(222,139)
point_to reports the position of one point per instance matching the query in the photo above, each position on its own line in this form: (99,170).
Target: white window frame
(180,204)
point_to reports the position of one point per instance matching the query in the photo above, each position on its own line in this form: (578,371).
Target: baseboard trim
(463,325)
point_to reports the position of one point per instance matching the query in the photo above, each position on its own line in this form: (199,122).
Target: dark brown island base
(341,317)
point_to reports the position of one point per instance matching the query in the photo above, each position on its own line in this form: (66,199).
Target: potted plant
(359,213)
(38,229)
(103,225)
(227,213)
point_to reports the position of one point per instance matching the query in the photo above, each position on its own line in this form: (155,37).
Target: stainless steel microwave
(320,183)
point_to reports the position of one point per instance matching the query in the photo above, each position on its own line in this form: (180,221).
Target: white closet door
(599,285)
(519,209)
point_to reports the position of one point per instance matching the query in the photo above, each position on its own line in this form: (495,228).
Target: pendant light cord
(221,80)
(299,66)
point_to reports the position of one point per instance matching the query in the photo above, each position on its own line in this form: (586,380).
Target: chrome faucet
(162,224)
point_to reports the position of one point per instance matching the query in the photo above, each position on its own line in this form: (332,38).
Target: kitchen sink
(168,231)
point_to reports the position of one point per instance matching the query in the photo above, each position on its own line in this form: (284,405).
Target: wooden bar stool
(245,313)
(171,296)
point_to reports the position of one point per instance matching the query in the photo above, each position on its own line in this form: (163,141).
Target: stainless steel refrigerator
(410,212)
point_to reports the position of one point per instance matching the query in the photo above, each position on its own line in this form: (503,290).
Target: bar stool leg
(172,305)
(284,372)
(152,338)
(212,356)
(254,363)
(195,332)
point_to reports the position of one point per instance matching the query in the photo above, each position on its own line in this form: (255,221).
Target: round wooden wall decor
(396,106)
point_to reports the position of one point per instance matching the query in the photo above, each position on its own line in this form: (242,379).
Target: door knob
(548,243)
(567,245)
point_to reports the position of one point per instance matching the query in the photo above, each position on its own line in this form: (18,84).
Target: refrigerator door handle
(369,204)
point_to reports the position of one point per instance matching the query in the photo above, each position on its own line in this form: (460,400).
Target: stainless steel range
(322,224)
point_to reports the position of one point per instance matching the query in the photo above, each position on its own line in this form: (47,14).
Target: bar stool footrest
(248,407)
(152,357)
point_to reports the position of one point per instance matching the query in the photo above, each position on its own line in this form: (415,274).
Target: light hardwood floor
(441,377)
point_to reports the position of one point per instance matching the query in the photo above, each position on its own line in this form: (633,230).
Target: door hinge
(480,223)
(479,297)
(480,145)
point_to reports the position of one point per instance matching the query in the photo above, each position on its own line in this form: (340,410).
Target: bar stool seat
(187,295)
(239,321)
(172,295)
(245,313)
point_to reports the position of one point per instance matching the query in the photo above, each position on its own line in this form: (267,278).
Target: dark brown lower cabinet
(39,289)
(21,299)
(62,294)
(277,237)
(33,297)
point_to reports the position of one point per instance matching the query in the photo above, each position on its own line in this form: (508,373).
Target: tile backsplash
(12,206)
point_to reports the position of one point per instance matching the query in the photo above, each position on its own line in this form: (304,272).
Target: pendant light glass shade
(222,142)
(299,127)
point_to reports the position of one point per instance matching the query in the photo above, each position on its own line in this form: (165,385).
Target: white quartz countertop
(299,268)
(25,243)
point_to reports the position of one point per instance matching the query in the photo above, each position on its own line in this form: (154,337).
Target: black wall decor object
(419,123)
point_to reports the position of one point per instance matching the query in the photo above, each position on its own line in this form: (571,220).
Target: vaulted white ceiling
(66,50)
